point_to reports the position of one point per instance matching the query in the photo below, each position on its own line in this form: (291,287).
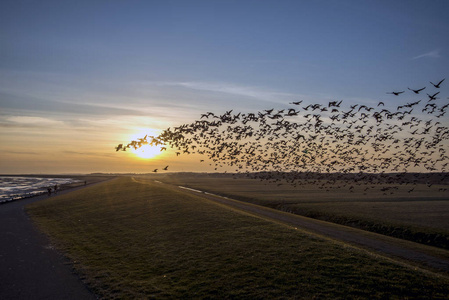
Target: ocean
(18,187)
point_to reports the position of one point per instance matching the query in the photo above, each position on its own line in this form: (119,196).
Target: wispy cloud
(132,123)
(432,54)
(88,153)
(34,121)
(23,152)
(25,102)
(228,88)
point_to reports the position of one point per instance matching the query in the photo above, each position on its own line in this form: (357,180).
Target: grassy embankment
(132,240)
(421,216)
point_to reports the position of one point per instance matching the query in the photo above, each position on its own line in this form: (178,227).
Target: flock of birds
(327,140)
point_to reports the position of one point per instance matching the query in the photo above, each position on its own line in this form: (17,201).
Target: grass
(130,240)
(421,216)
(397,219)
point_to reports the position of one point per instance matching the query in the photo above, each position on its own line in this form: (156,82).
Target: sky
(79,77)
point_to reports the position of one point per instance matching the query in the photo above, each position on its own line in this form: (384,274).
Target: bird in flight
(299,145)
(417,91)
(396,93)
(433,97)
(438,84)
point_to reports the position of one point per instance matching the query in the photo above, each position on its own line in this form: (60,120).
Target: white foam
(18,187)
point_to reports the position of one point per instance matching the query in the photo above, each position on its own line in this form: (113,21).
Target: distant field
(421,215)
(88,179)
(130,240)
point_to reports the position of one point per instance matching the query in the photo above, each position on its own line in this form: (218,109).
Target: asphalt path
(29,267)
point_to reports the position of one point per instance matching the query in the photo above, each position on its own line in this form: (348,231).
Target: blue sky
(103,70)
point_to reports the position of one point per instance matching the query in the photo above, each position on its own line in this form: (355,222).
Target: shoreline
(31,267)
(78,182)
(61,188)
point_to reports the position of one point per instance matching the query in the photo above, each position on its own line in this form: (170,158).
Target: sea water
(18,187)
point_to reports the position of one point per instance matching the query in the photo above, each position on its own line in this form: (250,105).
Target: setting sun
(147,151)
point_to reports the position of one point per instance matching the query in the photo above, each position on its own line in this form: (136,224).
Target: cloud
(20,101)
(432,54)
(230,88)
(35,121)
(23,152)
(88,153)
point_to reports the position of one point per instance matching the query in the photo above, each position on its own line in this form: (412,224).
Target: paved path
(29,267)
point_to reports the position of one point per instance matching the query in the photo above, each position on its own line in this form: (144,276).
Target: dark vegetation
(410,233)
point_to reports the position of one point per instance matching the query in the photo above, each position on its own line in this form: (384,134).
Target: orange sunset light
(147,151)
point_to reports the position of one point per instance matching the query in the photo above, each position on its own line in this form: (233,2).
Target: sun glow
(147,151)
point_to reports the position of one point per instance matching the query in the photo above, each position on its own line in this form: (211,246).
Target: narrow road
(29,267)
(396,249)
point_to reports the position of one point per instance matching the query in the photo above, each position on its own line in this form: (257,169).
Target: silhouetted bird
(433,97)
(438,84)
(396,93)
(320,144)
(417,91)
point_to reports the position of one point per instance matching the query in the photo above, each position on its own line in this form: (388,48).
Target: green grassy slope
(421,216)
(130,240)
